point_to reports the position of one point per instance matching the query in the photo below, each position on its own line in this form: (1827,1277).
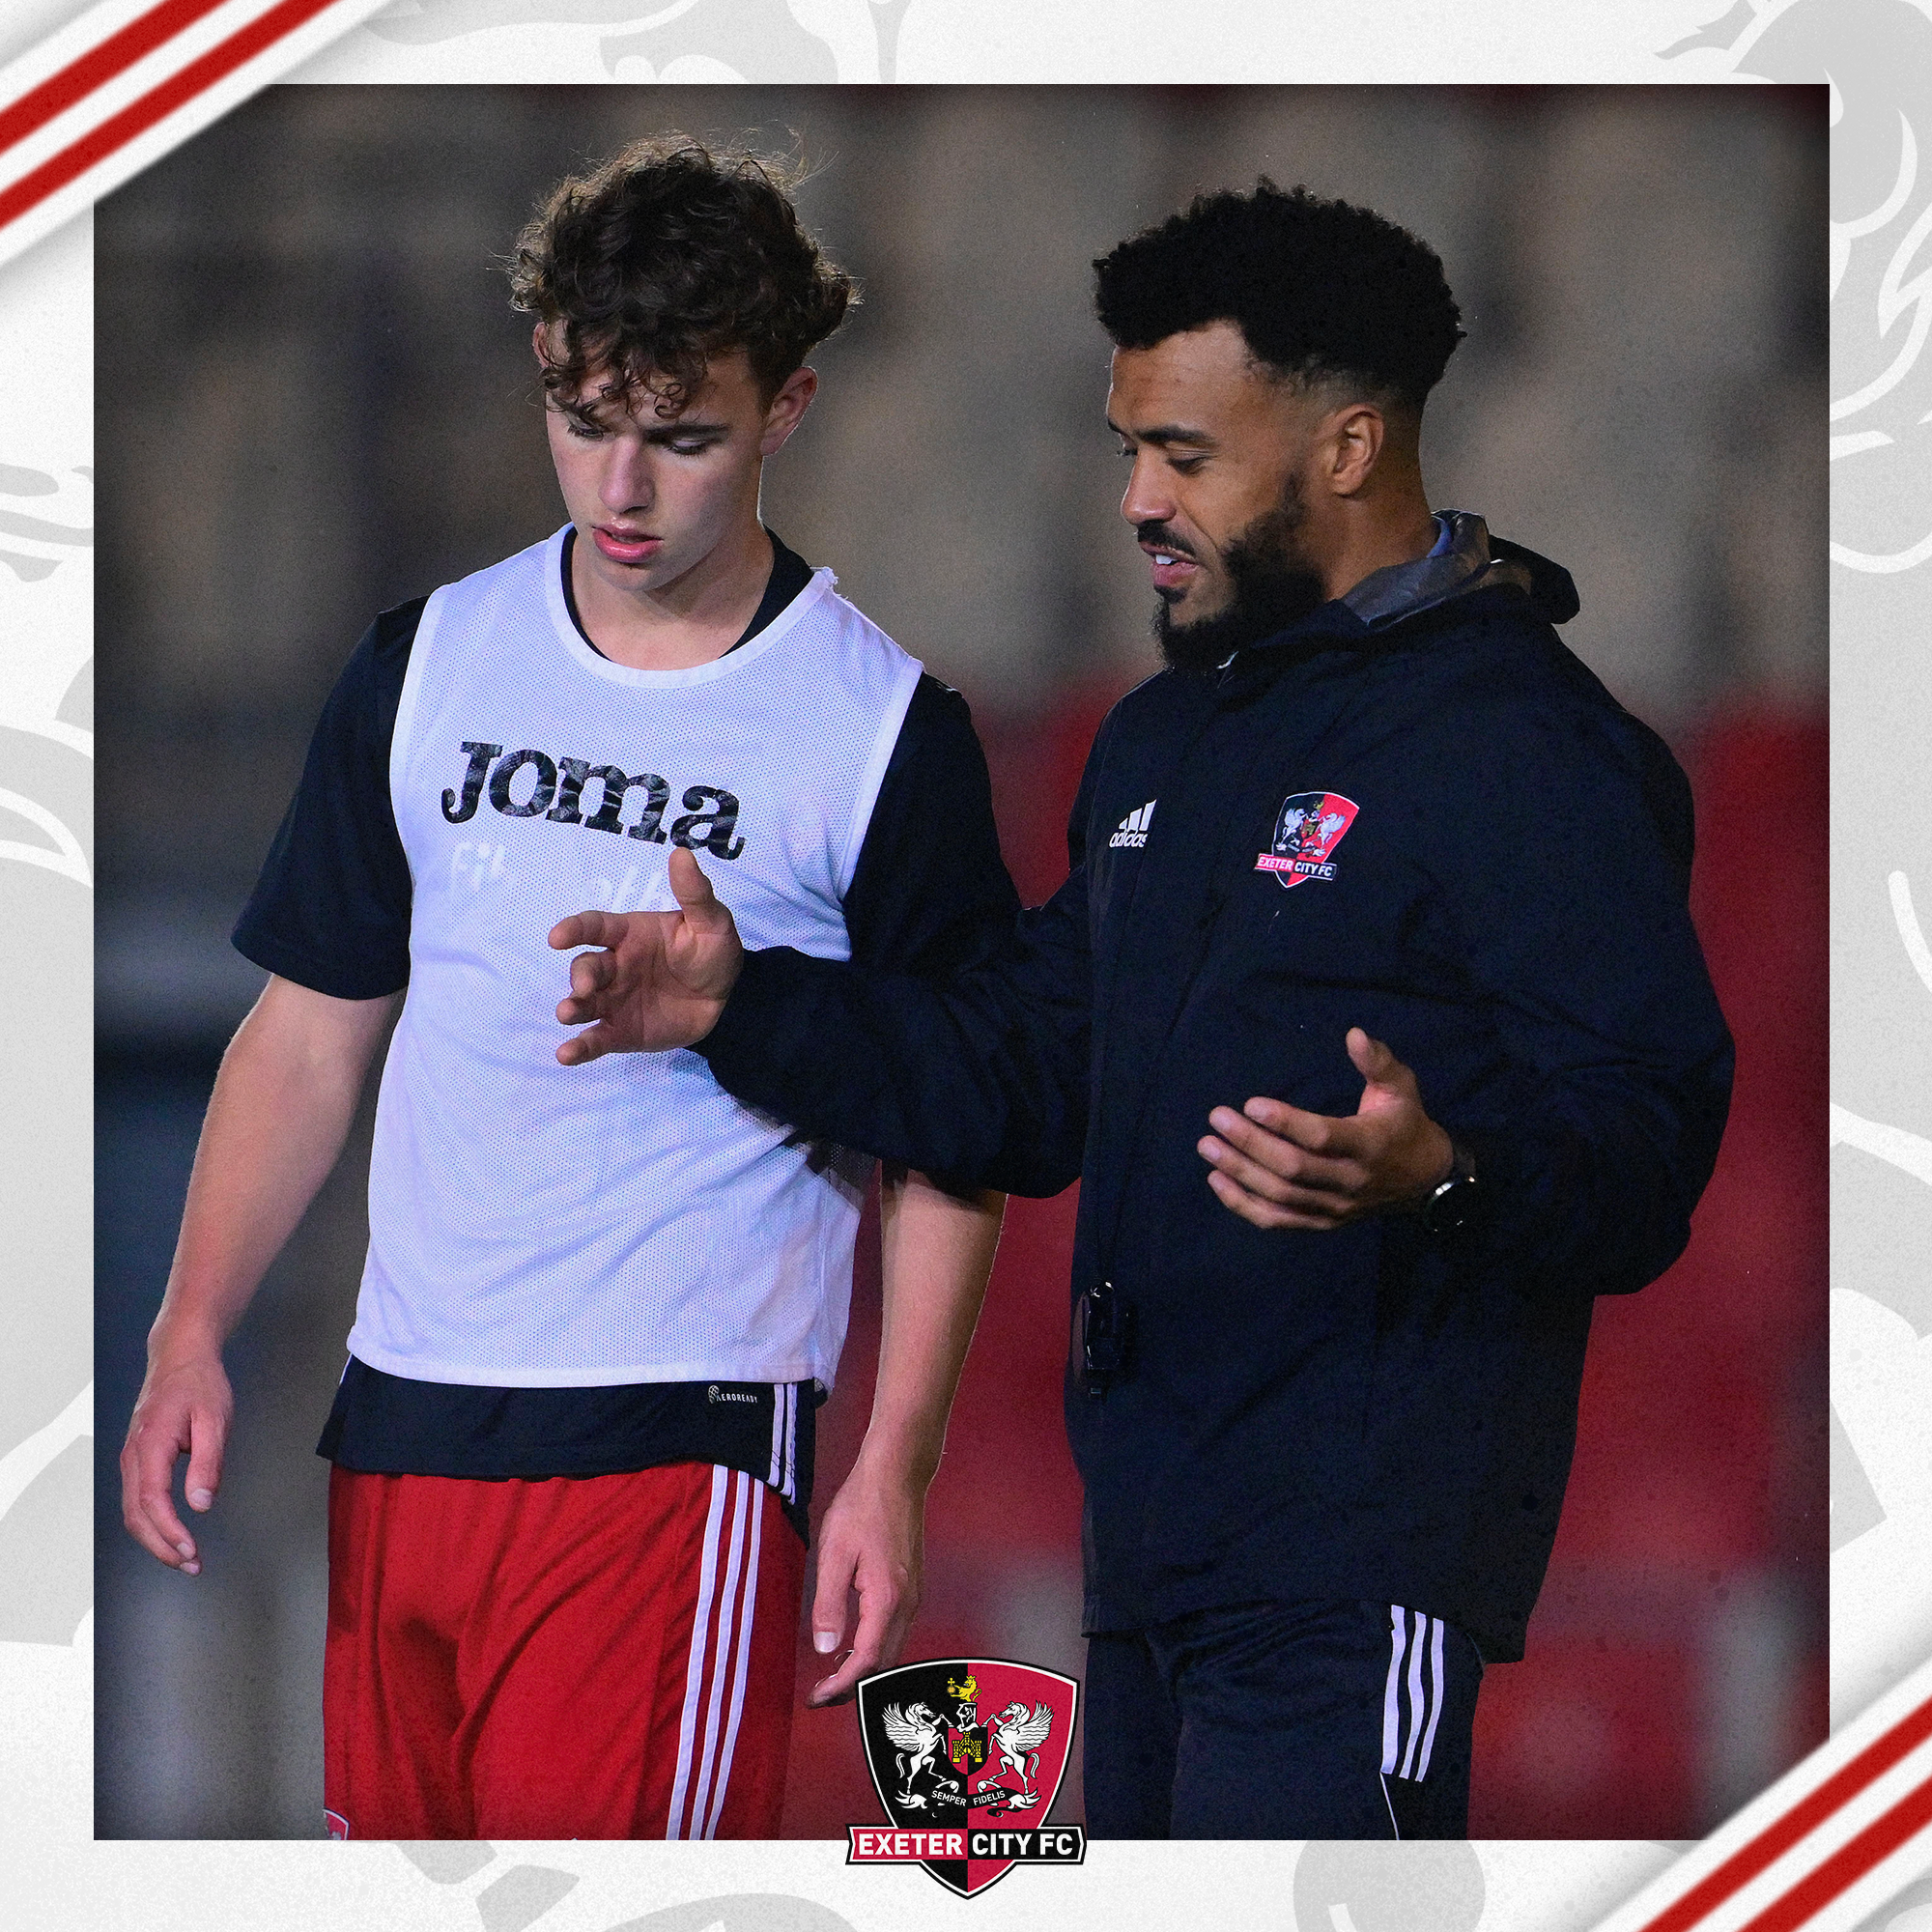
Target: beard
(1270,586)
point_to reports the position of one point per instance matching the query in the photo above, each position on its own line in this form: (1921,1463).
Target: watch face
(1451,1206)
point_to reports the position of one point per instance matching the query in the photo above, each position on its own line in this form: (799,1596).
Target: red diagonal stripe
(1849,1863)
(96,68)
(115,132)
(1804,1817)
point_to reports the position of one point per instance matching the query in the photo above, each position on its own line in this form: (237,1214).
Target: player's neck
(691,620)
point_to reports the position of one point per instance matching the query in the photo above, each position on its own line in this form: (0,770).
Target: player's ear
(787,409)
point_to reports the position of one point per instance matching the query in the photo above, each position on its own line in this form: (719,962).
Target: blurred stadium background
(314,401)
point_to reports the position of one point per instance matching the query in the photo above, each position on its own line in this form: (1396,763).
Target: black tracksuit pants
(1281,1721)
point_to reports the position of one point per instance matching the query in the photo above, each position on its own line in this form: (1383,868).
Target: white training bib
(533,1225)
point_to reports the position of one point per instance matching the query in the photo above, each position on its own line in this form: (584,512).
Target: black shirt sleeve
(929,892)
(332,908)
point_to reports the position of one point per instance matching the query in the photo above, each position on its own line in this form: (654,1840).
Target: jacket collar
(1473,562)
(1385,597)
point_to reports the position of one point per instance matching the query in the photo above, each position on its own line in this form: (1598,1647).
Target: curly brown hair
(665,255)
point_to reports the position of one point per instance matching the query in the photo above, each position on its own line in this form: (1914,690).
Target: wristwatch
(1452,1206)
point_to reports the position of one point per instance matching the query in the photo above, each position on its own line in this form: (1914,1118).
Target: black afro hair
(1319,289)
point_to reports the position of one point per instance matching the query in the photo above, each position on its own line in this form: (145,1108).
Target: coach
(1375,846)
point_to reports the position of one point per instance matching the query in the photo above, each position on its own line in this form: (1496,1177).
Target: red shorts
(599,1657)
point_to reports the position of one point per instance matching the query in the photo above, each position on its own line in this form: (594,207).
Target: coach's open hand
(1279,1167)
(663,977)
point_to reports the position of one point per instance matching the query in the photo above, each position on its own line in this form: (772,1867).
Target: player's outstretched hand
(871,1543)
(185,1409)
(1281,1166)
(662,978)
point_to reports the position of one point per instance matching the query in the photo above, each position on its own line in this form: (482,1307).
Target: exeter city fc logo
(966,1757)
(1307,829)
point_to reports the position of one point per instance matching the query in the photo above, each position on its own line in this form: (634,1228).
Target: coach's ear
(1349,444)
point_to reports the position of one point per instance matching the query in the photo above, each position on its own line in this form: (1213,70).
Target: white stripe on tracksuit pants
(1413,1699)
(1361,1711)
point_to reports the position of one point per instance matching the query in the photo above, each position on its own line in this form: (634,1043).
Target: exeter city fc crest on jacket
(1307,829)
(966,1757)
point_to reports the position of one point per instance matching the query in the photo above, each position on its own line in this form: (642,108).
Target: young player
(573,1442)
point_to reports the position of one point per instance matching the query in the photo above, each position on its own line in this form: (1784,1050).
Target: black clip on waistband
(1106,1326)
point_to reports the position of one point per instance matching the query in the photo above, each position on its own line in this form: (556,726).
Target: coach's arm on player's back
(276,1122)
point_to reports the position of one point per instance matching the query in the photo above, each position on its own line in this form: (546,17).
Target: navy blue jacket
(1364,1412)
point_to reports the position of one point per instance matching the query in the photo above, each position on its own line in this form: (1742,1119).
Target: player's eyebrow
(1162,434)
(678,429)
(603,414)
